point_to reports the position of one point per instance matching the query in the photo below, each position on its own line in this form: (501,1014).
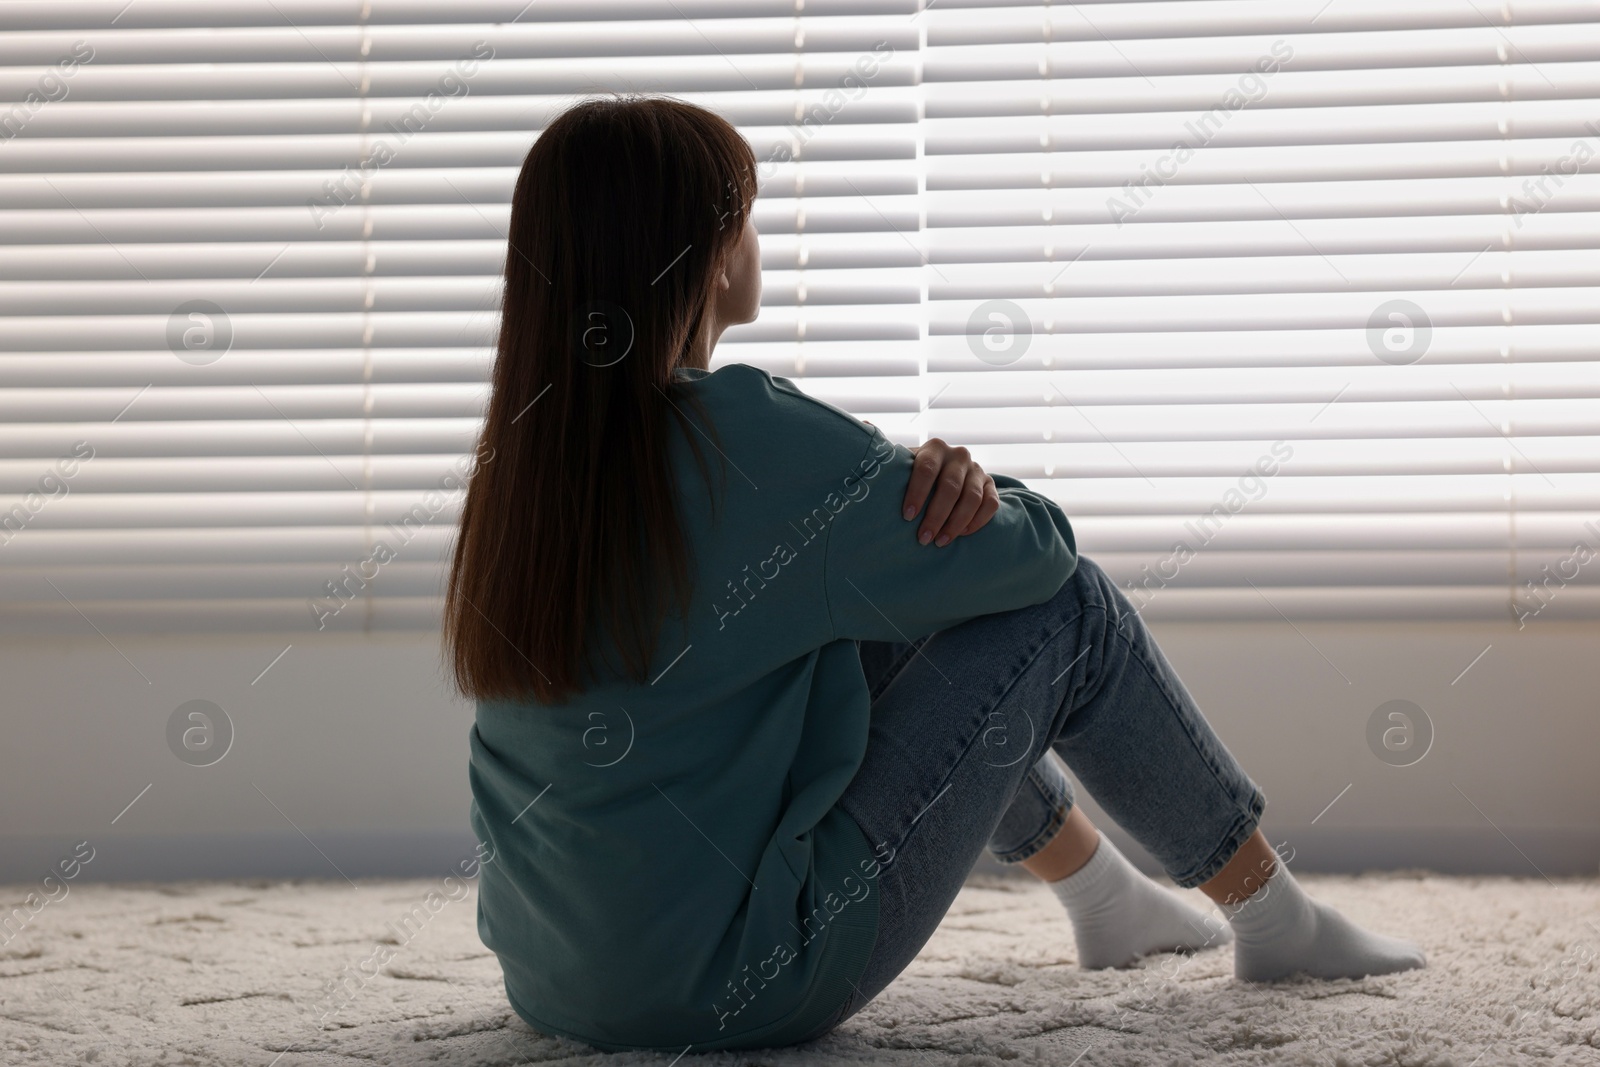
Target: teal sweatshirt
(667,864)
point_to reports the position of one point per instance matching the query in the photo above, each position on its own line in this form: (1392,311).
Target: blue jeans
(966,728)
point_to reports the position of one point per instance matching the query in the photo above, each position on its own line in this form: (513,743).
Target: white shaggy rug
(238,973)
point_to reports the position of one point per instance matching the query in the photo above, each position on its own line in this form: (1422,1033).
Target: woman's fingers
(966,507)
(947,490)
(958,496)
(987,509)
(926,467)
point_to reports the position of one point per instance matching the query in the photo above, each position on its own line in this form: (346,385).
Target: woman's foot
(1281,931)
(1119,915)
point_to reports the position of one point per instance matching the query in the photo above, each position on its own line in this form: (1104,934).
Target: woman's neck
(699,354)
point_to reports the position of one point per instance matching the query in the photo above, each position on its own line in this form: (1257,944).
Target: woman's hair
(570,535)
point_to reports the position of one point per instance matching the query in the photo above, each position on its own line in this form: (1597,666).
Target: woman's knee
(1088,587)
(1101,608)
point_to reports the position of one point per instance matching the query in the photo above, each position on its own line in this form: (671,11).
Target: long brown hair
(570,538)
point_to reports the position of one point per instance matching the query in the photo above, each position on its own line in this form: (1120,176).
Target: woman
(743,723)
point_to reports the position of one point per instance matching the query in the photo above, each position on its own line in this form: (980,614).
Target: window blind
(1292,306)
(250,282)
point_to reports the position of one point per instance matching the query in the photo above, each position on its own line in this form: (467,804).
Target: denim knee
(1093,587)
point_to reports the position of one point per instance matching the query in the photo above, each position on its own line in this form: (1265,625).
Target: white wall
(356,740)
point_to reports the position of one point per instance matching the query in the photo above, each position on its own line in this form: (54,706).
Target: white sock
(1119,915)
(1282,931)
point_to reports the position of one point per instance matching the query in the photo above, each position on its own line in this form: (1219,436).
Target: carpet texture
(239,973)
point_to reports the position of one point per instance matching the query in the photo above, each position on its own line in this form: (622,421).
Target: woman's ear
(722,281)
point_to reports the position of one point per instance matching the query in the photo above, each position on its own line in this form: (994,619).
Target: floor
(236,973)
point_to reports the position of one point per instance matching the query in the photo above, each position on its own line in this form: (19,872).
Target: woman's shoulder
(744,399)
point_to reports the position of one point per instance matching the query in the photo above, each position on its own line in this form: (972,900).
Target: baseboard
(1530,852)
(342,854)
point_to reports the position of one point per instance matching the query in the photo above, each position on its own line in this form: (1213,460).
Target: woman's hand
(964,498)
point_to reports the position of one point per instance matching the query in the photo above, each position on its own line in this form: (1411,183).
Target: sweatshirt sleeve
(882,585)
